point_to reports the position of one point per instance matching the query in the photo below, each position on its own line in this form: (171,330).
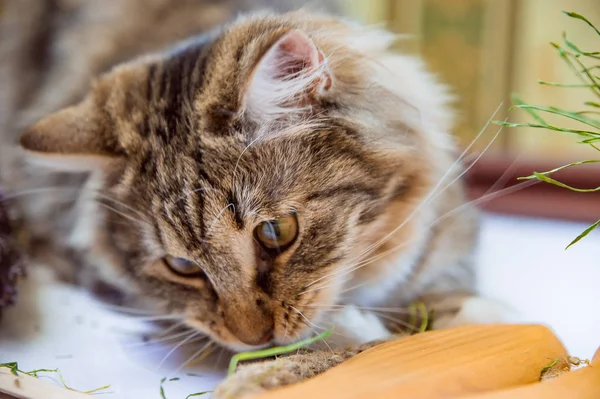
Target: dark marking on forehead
(173,85)
(235,209)
(345,190)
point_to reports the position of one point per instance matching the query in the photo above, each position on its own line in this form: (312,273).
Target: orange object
(464,362)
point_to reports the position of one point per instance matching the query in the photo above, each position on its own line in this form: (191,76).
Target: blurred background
(488,50)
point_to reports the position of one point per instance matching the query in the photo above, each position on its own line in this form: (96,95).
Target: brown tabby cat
(279,175)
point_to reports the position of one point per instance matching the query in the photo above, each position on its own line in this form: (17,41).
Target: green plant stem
(280,350)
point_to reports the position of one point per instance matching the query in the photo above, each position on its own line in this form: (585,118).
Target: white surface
(523,263)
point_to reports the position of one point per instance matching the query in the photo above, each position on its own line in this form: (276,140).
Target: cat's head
(241,179)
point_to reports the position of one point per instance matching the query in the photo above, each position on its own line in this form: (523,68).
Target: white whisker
(194,356)
(433,192)
(177,347)
(466,170)
(163,339)
(503,179)
(159,318)
(398,321)
(216,219)
(440,219)
(126,216)
(129,310)
(306,318)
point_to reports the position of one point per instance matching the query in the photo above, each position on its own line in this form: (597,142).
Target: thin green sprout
(14,369)
(280,350)
(192,395)
(574,57)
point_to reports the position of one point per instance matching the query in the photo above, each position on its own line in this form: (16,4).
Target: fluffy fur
(183,152)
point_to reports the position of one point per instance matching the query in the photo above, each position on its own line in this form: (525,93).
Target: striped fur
(181,157)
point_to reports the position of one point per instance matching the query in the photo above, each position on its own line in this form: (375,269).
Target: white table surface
(523,263)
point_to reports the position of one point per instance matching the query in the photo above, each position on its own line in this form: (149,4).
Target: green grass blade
(550,180)
(578,51)
(581,17)
(557,84)
(12,366)
(517,100)
(162,389)
(586,133)
(566,114)
(280,350)
(587,161)
(582,72)
(585,233)
(193,395)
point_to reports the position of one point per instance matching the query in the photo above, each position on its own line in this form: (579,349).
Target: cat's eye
(278,233)
(183,266)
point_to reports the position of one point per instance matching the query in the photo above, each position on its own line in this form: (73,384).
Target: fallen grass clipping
(279,350)
(550,365)
(586,67)
(14,369)
(192,395)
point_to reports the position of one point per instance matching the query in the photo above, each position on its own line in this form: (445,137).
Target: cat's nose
(266,338)
(255,336)
(252,327)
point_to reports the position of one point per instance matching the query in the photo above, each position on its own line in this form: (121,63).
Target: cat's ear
(73,139)
(290,76)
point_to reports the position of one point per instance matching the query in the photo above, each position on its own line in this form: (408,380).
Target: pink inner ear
(293,54)
(288,77)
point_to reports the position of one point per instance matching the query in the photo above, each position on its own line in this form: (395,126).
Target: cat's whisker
(467,169)
(398,321)
(174,327)
(204,349)
(22,193)
(120,203)
(305,318)
(162,339)
(355,286)
(437,190)
(367,308)
(319,330)
(505,191)
(505,176)
(324,340)
(326,284)
(467,205)
(129,217)
(220,355)
(130,310)
(218,217)
(183,342)
(159,318)
(161,348)
(76,192)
